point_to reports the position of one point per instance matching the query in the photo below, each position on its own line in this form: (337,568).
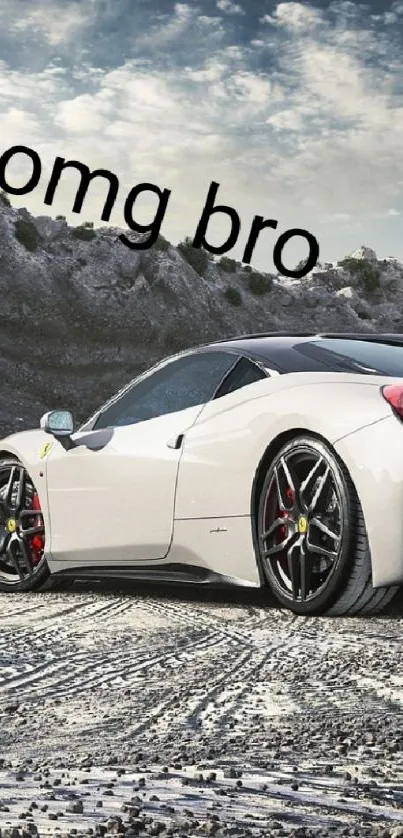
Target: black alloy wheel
(23,565)
(312,538)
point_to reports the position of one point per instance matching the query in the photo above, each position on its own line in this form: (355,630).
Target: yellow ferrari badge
(45,450)
(302,524)
(11,525)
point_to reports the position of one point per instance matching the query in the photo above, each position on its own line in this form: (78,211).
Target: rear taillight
(393,393)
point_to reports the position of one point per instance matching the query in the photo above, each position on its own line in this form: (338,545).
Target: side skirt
(170,574)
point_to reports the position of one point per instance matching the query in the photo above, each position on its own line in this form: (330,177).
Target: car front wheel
(23,566)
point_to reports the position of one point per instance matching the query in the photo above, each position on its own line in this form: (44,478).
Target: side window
(186,382)
(245,372)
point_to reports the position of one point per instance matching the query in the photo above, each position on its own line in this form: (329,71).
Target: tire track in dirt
(223,707)
(85,676)
(228,628)
(26,652)
(221,673)
(339,669)
(199,645)
(80,671)
(310,710)
(56,613)
(185,668)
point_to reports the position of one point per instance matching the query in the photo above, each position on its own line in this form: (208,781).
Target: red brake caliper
(282,531)
(37,541)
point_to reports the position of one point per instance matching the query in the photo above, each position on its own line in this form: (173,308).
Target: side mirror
(60,424)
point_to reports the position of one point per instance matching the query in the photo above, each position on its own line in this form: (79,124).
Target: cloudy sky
(294,108)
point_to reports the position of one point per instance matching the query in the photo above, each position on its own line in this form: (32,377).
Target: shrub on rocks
(84,232)
(195,256)
(233,296)
(162,244)
(27,234)
(228,265)
(4,199)
(366,273)
(259,284)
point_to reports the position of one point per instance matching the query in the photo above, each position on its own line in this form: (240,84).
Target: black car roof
(284,337)
(280,349)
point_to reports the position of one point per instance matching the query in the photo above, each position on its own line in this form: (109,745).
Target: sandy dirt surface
(193,713)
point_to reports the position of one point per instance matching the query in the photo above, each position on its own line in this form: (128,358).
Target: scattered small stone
(30,829)
(76,807)
(211,827)
(11,832)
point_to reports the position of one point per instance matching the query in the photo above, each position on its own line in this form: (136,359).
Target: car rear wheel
(23,566)
(311,533)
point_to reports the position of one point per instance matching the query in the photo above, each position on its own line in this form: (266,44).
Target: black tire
(37,576)
(337,579)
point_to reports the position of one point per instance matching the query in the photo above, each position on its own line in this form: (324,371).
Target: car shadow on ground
(249,598)
(241,597)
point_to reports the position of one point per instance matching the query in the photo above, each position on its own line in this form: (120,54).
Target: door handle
(175,442)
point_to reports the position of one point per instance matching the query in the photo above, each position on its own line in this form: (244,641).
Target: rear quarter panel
(374,458)
(223,450)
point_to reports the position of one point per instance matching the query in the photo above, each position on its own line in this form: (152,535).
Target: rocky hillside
(81,314)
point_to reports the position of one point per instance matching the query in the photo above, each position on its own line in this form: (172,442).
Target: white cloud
(310,142)
(229,7)
(84,114)
(294,16)
(169,30)
(386,17)
(57,24)
(287,120)
(30,88)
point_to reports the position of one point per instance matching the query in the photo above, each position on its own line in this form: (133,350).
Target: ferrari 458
(270,460)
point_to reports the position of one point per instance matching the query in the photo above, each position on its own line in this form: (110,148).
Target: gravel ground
(193,713)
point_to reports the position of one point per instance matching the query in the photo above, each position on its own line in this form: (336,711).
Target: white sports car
(265,460)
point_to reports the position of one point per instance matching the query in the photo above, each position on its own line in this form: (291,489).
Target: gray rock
(105,313)
(365,253)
